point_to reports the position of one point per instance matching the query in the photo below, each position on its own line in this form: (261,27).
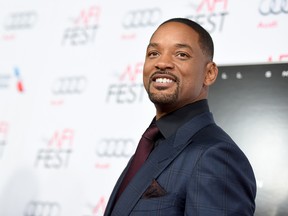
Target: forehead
(175,31)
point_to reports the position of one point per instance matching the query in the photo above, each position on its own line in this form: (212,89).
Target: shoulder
(220,152)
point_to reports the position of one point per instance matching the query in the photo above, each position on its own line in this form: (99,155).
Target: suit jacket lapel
(158,160)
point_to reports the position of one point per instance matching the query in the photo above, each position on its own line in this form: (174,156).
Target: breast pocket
(170,204)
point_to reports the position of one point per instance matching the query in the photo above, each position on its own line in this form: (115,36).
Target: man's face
(175,66)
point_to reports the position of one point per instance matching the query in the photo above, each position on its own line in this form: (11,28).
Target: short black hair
(205,39)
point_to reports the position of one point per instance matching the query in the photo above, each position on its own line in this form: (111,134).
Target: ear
(211,73)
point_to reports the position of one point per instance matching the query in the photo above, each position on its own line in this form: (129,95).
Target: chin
(163,99)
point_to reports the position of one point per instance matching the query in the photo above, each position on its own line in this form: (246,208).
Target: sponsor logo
(7,78)
(142,18)
(69,85)
(129,88)
(211,14)
(134,20)
(19,83)
(57,151)
(20,20)
(125,93)
(39,208)
(5,81)
(273,7)
(3,136)
(83,28)
(115,148)
(118,148)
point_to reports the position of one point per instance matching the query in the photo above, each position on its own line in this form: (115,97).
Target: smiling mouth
(163,80)
(163,77)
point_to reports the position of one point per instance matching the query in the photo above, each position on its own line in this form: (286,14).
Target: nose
(164,62)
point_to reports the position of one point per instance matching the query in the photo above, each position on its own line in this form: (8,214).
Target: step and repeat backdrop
(73,107)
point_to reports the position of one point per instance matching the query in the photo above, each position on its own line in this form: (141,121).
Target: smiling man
(194,167)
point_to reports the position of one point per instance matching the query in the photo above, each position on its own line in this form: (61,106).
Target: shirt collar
(169,123)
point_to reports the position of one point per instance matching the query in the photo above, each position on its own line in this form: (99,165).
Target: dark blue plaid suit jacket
(202,170)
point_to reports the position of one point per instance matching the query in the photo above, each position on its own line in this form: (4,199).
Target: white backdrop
(72,104)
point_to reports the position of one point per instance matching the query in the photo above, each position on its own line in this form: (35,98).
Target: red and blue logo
(19,82)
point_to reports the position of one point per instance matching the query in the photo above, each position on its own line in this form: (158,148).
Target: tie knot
(151,132)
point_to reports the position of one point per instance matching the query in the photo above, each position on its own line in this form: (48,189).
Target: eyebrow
(178,45)
(152,45)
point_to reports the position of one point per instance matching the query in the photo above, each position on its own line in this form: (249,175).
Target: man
(195,168)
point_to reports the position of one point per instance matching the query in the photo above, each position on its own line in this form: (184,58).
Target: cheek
(195,76)
(192,84)
(147,67)
(145,74)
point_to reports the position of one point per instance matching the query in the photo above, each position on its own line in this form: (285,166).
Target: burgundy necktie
(144,148)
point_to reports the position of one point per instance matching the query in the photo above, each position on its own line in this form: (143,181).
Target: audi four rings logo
(275,7)
(115,148)
(36,208)
(69,85)
(20,20)
(142,18)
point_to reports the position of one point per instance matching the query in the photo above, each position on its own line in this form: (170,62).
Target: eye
(152,54)
(183,55)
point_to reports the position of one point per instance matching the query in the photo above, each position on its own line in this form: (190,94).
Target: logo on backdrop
(117,148)
(141,18)
(18,21)
(270,10)
(95,210)
(129,88)
(69,85)
(19,83)
(211,14)
(4,127)
(42,208)
(134,20)
(273,7)
(82,29)
(57,150)
(8,80)
(108,148)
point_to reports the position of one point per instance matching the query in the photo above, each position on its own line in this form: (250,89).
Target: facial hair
(162,98)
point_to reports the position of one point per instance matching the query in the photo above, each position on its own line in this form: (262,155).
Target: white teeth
(163,80)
